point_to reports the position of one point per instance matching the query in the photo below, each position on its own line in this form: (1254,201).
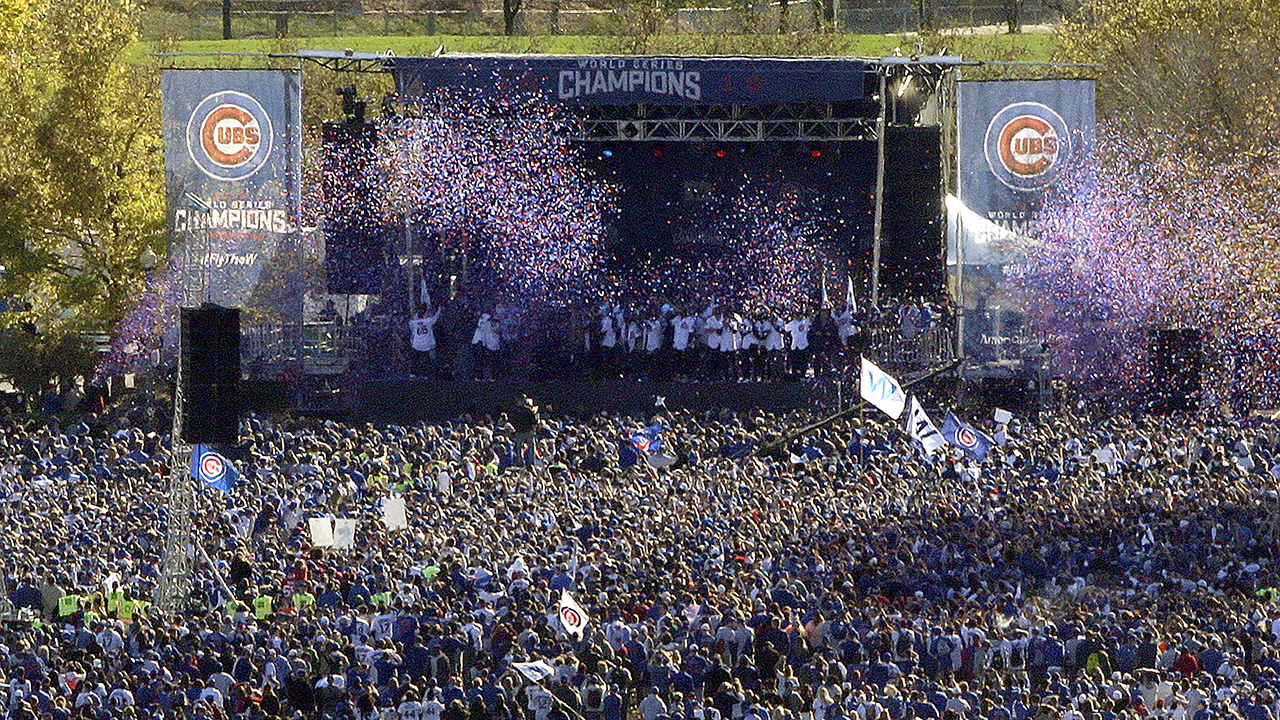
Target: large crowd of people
(1087,569)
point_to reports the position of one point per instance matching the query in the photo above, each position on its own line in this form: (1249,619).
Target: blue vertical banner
(233,158)
(1015,138)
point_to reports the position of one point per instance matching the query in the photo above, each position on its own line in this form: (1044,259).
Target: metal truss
(692,130)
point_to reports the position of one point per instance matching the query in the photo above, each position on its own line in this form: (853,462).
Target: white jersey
(653,335)
(423,332)
(409,710)
(486,333)
(773,341)
(684,327)
(799,329)
(539,701)
(432,709)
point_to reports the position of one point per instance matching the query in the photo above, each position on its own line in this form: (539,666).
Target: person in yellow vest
(126,607)
(234,609)
(68,605)
(114,597)
(302,600)
(262,605)
(92,605)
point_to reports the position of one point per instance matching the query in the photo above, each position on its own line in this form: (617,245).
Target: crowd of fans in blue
(1089,569)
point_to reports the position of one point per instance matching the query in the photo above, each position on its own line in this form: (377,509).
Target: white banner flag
(880,389)
(572,616)
(393,513)
(321,531)
(536,671)
(344,533)
(923,429)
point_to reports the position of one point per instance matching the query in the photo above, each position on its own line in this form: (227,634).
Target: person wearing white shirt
(682,337)
(635,335)
(798,328)
(422,337)
(539,701)
(711,337)
(845,327)
(653,334)
(410,709)
(490,342)
(775,348)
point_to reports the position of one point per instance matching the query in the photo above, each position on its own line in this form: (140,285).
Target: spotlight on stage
(722,151)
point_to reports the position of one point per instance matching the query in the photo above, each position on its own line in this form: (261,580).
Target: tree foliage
(81,165)
(1205,69)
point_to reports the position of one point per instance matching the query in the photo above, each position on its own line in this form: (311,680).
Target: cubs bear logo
(229,136)
(212,467)
(1025,145)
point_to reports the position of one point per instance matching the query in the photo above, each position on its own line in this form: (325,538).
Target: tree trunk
(1013,16)
(510,10)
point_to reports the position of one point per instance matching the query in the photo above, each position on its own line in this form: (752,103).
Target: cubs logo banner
(612,80)
(232,170)
(572,616)
(1015,139)
(212,469)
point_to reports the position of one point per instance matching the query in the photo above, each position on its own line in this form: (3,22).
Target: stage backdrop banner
(603,80)
(1015,137)
(233,149)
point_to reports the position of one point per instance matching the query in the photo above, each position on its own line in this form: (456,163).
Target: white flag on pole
(880,389)
(536,670)
(572,616)
(850,300)
(923,429)
(424,295)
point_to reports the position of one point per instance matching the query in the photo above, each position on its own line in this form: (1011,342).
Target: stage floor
(409,399)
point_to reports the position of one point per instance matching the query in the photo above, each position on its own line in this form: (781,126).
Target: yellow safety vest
(68,605)
(232,607)
(113,601)
(262,606)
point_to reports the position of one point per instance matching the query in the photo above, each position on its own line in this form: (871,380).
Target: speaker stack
(912,228)
(210,346)
(1176,360)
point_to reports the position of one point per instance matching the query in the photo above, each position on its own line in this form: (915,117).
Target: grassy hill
(1023,47)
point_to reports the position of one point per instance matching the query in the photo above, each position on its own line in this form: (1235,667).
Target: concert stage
(409,399)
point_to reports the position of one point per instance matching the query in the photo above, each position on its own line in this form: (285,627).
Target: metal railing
(202,19)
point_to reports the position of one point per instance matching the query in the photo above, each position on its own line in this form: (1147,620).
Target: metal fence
(202,19)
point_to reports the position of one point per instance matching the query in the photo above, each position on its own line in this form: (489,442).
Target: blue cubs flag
(212,469)
(966,437)
(648,440)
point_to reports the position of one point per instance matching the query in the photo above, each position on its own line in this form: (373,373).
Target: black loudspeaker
(355,238)
(1176,359)
(912,227)
(210,346)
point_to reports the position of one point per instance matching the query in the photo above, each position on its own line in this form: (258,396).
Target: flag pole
(782,442)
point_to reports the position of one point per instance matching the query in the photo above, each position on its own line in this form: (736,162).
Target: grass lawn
(1026,47)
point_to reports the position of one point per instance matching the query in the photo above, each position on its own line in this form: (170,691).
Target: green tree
(81,167)
(1203,69)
